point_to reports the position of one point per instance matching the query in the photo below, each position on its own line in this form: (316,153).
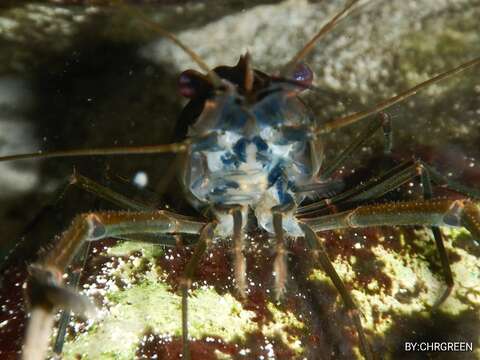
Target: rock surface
(77,75)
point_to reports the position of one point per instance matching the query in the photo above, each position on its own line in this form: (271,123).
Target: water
(92,79)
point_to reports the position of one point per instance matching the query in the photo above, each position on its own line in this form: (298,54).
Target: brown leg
(44,285)
(436,212)
(240,264)
(321,255)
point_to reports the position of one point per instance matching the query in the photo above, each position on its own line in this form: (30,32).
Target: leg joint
(453,216)
(96,230)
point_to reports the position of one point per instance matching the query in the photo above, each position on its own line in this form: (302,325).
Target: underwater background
(78,74)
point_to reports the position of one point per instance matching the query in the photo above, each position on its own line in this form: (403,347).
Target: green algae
(447,56)
(149,305)
(125,248)
(414,286)
(281,326)
(152,306)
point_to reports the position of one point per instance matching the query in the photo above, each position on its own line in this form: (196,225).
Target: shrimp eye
(186,85)
(192,84)
(303,74)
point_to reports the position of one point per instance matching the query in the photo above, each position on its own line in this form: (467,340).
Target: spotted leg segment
(438,212)
(45,292)
(321,256)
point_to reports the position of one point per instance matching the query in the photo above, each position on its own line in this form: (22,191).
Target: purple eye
(186,85)
(303,74)
(192,84)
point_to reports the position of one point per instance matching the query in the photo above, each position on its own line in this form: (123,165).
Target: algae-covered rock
(88,74)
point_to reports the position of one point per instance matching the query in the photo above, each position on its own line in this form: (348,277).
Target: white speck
(140,179)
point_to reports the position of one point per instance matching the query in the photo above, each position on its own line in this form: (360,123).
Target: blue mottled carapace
(251,148)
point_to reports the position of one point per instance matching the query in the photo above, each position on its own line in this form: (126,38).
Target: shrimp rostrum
(252,151)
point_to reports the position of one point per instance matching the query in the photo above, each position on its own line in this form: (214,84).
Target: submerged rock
(96,76)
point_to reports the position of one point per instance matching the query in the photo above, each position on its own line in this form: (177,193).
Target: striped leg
(114,198)
(436,212)
(45,292)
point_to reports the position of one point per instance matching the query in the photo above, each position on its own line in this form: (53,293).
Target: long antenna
(127,150)
(350,119)
(311,44)
(214,78)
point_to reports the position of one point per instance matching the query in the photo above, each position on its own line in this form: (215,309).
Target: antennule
(352,118)
(214,78)
(130,150)
(311,44)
